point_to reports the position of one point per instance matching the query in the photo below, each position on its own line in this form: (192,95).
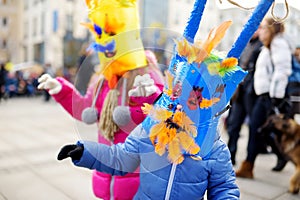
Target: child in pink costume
(128,77)
(124,187)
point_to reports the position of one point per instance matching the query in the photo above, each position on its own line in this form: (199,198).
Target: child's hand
(73,151)
(46,82)
(144,86)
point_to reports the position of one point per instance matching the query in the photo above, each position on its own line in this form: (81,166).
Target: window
(4,44)
(55,21)
(25,53)
(69,23)
(25,4)
(4,21)
(34,26)
(43,23)
(25,29)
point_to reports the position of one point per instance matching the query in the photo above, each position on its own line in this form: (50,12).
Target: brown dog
(289,143)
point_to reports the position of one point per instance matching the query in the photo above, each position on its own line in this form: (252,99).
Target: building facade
(10,30)
(51,31)
(48,31)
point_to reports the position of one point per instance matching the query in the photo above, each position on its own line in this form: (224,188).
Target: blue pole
(194,20)
(249,28)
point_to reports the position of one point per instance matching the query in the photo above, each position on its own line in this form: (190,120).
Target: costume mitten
(73,151)
(46,82)
(144,86)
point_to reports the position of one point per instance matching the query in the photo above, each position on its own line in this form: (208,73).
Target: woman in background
(273,68)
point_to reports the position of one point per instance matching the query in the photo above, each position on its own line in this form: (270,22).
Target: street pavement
(33,131)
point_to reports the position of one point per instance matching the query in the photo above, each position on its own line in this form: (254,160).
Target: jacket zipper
(170,182)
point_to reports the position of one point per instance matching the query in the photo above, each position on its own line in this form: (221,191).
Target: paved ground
(33,131)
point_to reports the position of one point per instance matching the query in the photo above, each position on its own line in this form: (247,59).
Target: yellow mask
(115,25)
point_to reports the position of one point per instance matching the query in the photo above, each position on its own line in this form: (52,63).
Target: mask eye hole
(110,33)
(98,30)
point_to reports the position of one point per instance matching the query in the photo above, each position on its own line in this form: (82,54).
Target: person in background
(273,68)
(3,75)
(244,98)
(297,53)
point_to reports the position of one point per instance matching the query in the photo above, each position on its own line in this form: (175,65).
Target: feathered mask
(183,122)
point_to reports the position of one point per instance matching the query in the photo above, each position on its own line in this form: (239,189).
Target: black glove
(74,151)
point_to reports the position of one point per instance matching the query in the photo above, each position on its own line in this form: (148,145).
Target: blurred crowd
(23,82)
(16,83)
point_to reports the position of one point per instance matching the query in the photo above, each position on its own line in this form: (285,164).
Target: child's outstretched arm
(115,160)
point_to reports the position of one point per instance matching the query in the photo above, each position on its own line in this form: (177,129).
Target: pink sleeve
(71,100)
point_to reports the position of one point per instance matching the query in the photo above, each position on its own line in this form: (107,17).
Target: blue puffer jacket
(159,179)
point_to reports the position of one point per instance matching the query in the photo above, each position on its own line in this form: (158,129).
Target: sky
(251,3)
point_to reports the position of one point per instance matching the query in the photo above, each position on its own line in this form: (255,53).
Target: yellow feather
(185,48)
(186,141)
(194,149)
(201,55)
(160,149)
(177,118)
(171,132)
(180,47)
(162,141)
(147,108)
(175,155)
(162,114)
(186,121)
(215,36)
(162,138)
(155,130)
(192,130)
(188,125)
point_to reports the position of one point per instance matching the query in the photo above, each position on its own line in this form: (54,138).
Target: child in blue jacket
(177,147)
